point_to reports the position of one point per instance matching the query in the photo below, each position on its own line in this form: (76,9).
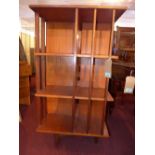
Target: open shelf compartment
(59,119)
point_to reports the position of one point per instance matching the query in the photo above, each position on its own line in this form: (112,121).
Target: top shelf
(34,7)
(66,13)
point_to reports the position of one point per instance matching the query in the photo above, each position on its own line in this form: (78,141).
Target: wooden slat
(83,56)
(97,56)
(37,59)
(75,67)
(105,57)
(106,79)
(43,68)
(112,31)
(91,70)
(35,7)
(43,51)
(104,105)
(54,54)
(38,66)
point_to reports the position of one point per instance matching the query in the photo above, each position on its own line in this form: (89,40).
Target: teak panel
(56,14)
(102,39)
(82,93)
(104,16)
(59,37)
(80,124)
(99,78)
(96,117)
(83,72)
(59,71)
(86,38)
(59,106)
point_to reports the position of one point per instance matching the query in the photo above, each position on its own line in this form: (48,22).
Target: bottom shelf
(59,124)
(60,121)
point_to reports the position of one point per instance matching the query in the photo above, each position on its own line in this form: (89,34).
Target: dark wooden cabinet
(24,84)
(124,47)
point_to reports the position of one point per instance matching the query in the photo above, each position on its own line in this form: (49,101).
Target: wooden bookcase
(72,91)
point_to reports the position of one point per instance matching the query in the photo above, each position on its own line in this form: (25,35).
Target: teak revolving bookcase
(71,46)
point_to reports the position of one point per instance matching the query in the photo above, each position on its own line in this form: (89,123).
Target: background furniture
(24,86)
(72,92)
(24,73)
(124,47)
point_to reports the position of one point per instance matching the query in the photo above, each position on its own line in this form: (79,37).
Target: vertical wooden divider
(107,79)
(37,65)
(37,59)
(112,32)
(91,71)
(75,67)
(43,67)
(43,51)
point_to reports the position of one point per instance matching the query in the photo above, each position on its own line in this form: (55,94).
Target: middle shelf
(78,55)
(67,92)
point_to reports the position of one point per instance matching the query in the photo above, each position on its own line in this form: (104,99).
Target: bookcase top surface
(37,6)
(50,12)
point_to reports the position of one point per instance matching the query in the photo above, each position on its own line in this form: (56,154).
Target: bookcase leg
(57,140)
(96,140)
(38,109)
(89,115)
(43,108)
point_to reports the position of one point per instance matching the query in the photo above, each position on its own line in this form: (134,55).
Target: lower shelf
(61,124)
(67,92)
